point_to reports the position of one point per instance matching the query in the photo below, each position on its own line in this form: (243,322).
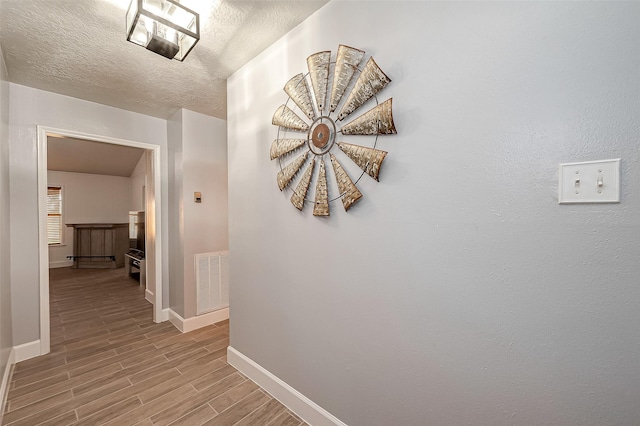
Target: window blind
(133,225)
(54,215)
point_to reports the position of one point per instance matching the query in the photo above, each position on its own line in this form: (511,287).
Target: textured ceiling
(78,48)
(82,156)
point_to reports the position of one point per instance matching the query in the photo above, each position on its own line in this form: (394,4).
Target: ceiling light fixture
(164,27)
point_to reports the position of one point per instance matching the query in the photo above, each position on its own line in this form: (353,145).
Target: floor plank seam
(257,408)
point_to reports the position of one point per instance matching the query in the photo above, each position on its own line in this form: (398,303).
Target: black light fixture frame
(156,45)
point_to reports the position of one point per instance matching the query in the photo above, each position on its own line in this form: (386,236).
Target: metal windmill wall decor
(310,140)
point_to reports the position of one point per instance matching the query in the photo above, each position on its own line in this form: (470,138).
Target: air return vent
(212,281)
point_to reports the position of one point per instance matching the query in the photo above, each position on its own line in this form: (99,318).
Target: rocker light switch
(589,182)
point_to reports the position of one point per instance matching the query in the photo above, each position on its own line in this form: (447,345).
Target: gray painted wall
(457,291)
(197,162)
(6,339)
(176,230)
(31,107)
(205,170)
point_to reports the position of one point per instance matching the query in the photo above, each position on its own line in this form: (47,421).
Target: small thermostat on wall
(197,197)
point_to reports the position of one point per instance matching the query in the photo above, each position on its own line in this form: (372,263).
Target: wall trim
(6,379)
(60,264)
(190,324)
(28,350)
(149,296)
(165,314)
(305,408)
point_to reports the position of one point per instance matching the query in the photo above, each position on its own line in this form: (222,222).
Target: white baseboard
(306,409)
(149,296)
(6,379)
(176,320)
(165,315)
(27,351)
(60,264)
(190,324)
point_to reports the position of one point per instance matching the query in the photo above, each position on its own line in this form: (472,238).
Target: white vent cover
(212,281)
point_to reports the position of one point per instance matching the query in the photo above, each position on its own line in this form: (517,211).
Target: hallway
(110,364)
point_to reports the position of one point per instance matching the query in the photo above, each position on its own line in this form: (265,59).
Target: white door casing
(153,234)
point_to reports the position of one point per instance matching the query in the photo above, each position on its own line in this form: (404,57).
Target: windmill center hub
(322,135)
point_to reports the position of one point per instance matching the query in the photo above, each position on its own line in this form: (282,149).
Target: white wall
(457,291)
(6,339)
(88,198)
(31,107)
(137,180)
(198,163)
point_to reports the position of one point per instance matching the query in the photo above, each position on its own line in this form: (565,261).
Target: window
(54,215)
(133,225)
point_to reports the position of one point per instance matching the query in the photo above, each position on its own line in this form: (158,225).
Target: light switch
(589,182)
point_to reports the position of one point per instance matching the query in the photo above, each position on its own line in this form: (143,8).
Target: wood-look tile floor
(110,364)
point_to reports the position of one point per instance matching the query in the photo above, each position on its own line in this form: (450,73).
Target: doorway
(153,226)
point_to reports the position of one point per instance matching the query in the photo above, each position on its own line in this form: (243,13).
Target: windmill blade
(318,65)
(280,147)
(297,199)
(285,117)
(376,121)
(298,91)
(370,81)
(285,175)
(348,189)
(321,205)
(368,159)
(347,61)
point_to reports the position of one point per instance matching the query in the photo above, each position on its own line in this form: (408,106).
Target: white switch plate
(589,182)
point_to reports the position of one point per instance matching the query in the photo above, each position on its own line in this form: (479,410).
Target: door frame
(43,132)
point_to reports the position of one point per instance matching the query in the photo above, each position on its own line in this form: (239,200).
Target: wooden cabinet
(99,245)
